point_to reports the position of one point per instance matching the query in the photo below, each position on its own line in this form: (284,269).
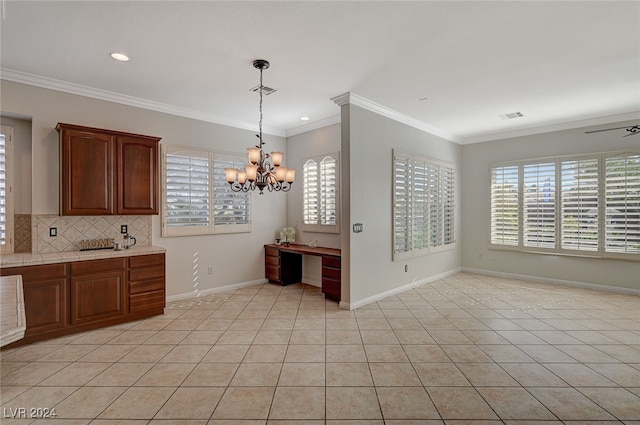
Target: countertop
(12,318)
(28,259)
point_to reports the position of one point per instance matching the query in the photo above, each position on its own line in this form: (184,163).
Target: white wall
(236,258)
(371,139)
(476,160)
(300,147)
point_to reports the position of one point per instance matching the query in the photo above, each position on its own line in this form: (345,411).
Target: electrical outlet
(406,268)
(124,229)
(210,270)
(53,232)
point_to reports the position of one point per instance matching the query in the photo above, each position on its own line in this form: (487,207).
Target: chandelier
(263,169)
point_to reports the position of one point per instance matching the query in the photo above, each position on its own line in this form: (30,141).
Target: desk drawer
(272,273)
(333,262)
(331,289)
(331,273)
(272,261)
(271,251)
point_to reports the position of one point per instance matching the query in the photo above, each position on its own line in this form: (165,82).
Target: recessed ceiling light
(305,118)
(120,57)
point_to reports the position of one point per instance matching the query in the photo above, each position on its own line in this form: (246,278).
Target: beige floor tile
(244,403)
(32,374)
(440,374)
(272,337)
(120,375)
(305,353)
(586,354)
(426,353)
(191,403)
(621,374)
(146,353)
(515,403)
(9,392)
(619,402)
(298,403)
(348,375)
(533,375)
(165,375)
(107,353)
(266,353)
(466,353)
(373,324)
(88,402)
(167,337)
(460,403)
(75,375)
(343,337)
(485,337)
(444,337)
(394,375)
(246,325)
(237,337)
(544,353)
(211,375)
(342,324)
(414,337)
(385,353)
(578,375)
(486,375)
(215,324)
(349,403)
(278,324)
(202,337)
(257,375)
(138,403)
(345,353)
(132,337)
(186,354)
(226,354)
(97,337)
(68,353)
(406,403)
(506,354)
(302,375)
(623,353)
(379,337)
(569,404)
(34,397)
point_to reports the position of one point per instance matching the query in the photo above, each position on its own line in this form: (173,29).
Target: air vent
(265,90)
(511,115)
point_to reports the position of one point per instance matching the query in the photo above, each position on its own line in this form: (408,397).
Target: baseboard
(204,292)
(598,287)
(400,289)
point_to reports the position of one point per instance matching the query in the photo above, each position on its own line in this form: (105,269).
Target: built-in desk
(283,265)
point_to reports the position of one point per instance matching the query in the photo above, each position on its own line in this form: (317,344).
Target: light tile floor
(461,350)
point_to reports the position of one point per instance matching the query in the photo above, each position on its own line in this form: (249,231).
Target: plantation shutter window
(423,205)
(505,205)
(579,205)
(6,190)
(539,205)
(622,224)
(197,199)
(587,205)
(320,211)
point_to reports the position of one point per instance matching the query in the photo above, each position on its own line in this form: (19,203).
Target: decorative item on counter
(277,241)
(117,246)
(91,244)
(288,235)
(313,243)
(128,241)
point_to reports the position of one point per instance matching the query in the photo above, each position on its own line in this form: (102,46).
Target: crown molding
(553,127)
(314,125)
(123,99)
(354,99)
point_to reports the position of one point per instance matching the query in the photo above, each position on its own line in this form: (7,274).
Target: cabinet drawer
(331,289)
(331,262)
(35,273)
(147,301)
(331,273)
(146,274)
(97,266)
(272,261)
(271,251)
(272,273)
(146,286)
(140,261)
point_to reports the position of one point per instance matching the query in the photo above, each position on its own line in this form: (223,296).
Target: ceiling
(453,66)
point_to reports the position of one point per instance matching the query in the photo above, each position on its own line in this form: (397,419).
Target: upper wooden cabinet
(106,172)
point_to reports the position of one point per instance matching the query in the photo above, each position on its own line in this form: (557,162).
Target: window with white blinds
(505,190)
(423,205)
(6,189)
(320,194)
(622,213)
(197,198)
(587,205)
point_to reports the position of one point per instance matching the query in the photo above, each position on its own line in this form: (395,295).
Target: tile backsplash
(72,229)
(22,233)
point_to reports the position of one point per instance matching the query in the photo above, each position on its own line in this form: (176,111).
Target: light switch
(357,227)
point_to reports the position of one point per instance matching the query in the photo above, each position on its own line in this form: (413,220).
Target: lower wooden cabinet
(98,290)
(64,298)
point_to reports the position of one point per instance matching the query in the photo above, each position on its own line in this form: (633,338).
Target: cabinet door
(87,167)
(137,176)
(45,304)
(97,297)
